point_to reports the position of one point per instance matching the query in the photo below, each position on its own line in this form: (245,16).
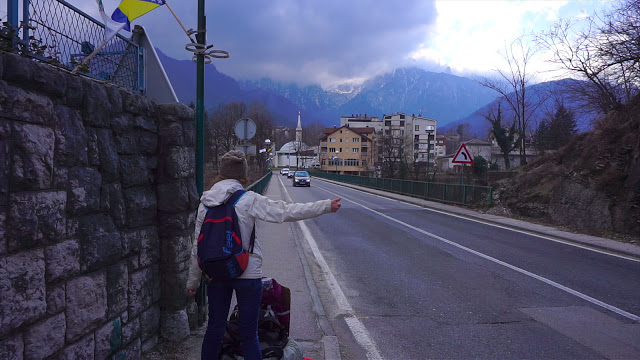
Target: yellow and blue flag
(128,10)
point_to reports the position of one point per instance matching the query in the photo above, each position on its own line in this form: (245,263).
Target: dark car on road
(301,178)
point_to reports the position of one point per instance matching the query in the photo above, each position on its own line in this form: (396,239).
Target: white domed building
(295,153)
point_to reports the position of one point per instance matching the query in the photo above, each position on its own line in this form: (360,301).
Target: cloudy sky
(335,41)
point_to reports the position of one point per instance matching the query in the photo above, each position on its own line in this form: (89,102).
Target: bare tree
(219,130)
(513,85)
(604,52)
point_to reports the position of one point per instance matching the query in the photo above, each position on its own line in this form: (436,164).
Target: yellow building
(347,150)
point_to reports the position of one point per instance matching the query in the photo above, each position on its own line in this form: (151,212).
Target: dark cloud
(304,41)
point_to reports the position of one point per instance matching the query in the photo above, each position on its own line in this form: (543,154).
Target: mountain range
(450,99)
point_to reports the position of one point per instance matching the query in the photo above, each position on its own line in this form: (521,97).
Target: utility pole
(201,38)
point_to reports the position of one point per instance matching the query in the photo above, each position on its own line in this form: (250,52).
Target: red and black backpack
(220,252)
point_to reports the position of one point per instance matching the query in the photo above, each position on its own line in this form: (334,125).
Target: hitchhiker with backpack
(227,251)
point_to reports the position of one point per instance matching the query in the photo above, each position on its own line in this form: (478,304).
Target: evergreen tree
(563,127)
(557,130)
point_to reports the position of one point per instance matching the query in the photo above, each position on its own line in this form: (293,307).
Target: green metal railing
(448,193)
(259,187)
(58,33)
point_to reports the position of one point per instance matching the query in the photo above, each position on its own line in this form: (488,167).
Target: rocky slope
(591,184)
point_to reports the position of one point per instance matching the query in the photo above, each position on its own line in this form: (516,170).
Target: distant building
(348,150)
(418,134)
(295,153)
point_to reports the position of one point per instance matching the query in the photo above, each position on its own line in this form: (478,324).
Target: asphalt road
(428,285)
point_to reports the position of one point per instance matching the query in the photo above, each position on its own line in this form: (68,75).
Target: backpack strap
(233,200)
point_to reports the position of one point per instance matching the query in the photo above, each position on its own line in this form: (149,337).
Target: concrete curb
(604,244)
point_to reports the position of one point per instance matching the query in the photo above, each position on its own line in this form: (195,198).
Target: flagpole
(179,22)
(103,44)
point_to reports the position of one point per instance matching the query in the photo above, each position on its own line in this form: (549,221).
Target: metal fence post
(25,21)
(12,12)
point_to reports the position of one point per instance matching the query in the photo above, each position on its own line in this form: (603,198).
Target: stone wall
(97,203)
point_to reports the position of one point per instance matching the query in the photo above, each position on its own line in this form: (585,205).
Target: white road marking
(359,331)
(584,247)
(500,262)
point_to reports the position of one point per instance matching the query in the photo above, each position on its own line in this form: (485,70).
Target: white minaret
(299,130)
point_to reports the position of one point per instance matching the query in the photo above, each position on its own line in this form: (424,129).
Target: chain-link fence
(448,193)
(60,34)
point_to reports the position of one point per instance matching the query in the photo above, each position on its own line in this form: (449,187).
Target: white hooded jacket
(249,208)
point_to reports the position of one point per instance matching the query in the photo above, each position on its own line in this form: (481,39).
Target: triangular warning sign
(462,156)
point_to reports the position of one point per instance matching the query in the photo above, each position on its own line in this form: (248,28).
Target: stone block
(12,347)
(115,99)
(3,230)
(112,202)
(71,137)
(144,289)
(171,134)
(134,171)
(62,260)
(173,196)
(45,338)
(133,351)
(180,162)
(173,283)
(173,110)
(176,249)
(108,339)
(84,191)
(86,300)
(96,103)
(60,178)
(17,70)
(149,344)
(149,247)
(132,239)
(5,171)
(93,153)
(131,331)
(123,123)
(117,287)
(36,219)
(56,298)
(108,154)
(49,81)
(141,206)
(23,289)
(146,123)
(73,225)
(174,326)
(1,67)
(22,105)
(149,323)
(126,143)
(75,91)
(175,224)
(82,349)
(194,197)
(136,104)
(147,142)
(32,157)
(189,131)
(100,241)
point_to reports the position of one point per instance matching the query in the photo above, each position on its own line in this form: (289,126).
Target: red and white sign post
(462,157)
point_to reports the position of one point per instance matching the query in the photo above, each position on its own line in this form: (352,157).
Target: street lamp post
(336,161)
(429,130)
(267,142)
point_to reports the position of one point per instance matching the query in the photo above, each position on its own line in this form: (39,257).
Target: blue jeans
(248,294)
